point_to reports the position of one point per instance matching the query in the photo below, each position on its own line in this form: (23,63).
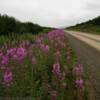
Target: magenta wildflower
(57,71)
(8,78)
(45,48)
(11,52)
(56,68)
(21,53)
(5,60)
(80,84)
(55,34)
(39,40)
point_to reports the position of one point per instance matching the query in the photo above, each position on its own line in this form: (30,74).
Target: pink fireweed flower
(5,60)
(56,68)
(80,84)
(45,48)
(8,78)
(21,53)
(39,40)
(11,52)
(34,61)
(57,71)
(55,34)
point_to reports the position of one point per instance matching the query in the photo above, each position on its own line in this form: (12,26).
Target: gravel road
(87,47)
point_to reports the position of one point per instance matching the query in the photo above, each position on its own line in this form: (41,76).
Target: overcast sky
(53,13)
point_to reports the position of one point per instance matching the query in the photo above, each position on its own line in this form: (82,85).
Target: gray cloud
(54,13)
(92,5)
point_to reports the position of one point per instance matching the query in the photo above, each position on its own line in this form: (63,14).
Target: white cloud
(55,13)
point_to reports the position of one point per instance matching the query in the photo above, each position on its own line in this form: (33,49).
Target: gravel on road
(89,55)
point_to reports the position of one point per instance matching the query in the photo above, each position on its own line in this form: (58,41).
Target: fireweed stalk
(57,71)
(78,72)
(80,86)
(8,77)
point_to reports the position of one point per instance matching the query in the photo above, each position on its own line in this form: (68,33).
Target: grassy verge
(92,29)
(40,67)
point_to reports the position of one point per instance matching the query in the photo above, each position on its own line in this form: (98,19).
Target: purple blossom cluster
(56,68)
(56,34)
(11,54)
(5,60)
(21,53)
(56,46)
(8,77)
(57,71)
(44,48)
(80,84)
(78,72)
(57,37)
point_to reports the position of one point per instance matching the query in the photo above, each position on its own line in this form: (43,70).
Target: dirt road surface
(87,47)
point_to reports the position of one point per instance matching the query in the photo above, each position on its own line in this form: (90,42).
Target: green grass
(38,81)
(93,29)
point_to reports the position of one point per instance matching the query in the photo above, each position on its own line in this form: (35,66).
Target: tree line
(11,25)
(95,21)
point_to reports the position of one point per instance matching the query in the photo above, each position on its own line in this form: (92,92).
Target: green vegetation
(40,67)
(9,25)
(91,26)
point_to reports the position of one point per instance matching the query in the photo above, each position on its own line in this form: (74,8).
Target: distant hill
(91,26)
(10,25)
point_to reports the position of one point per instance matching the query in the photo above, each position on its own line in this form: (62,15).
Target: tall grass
(40,67)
